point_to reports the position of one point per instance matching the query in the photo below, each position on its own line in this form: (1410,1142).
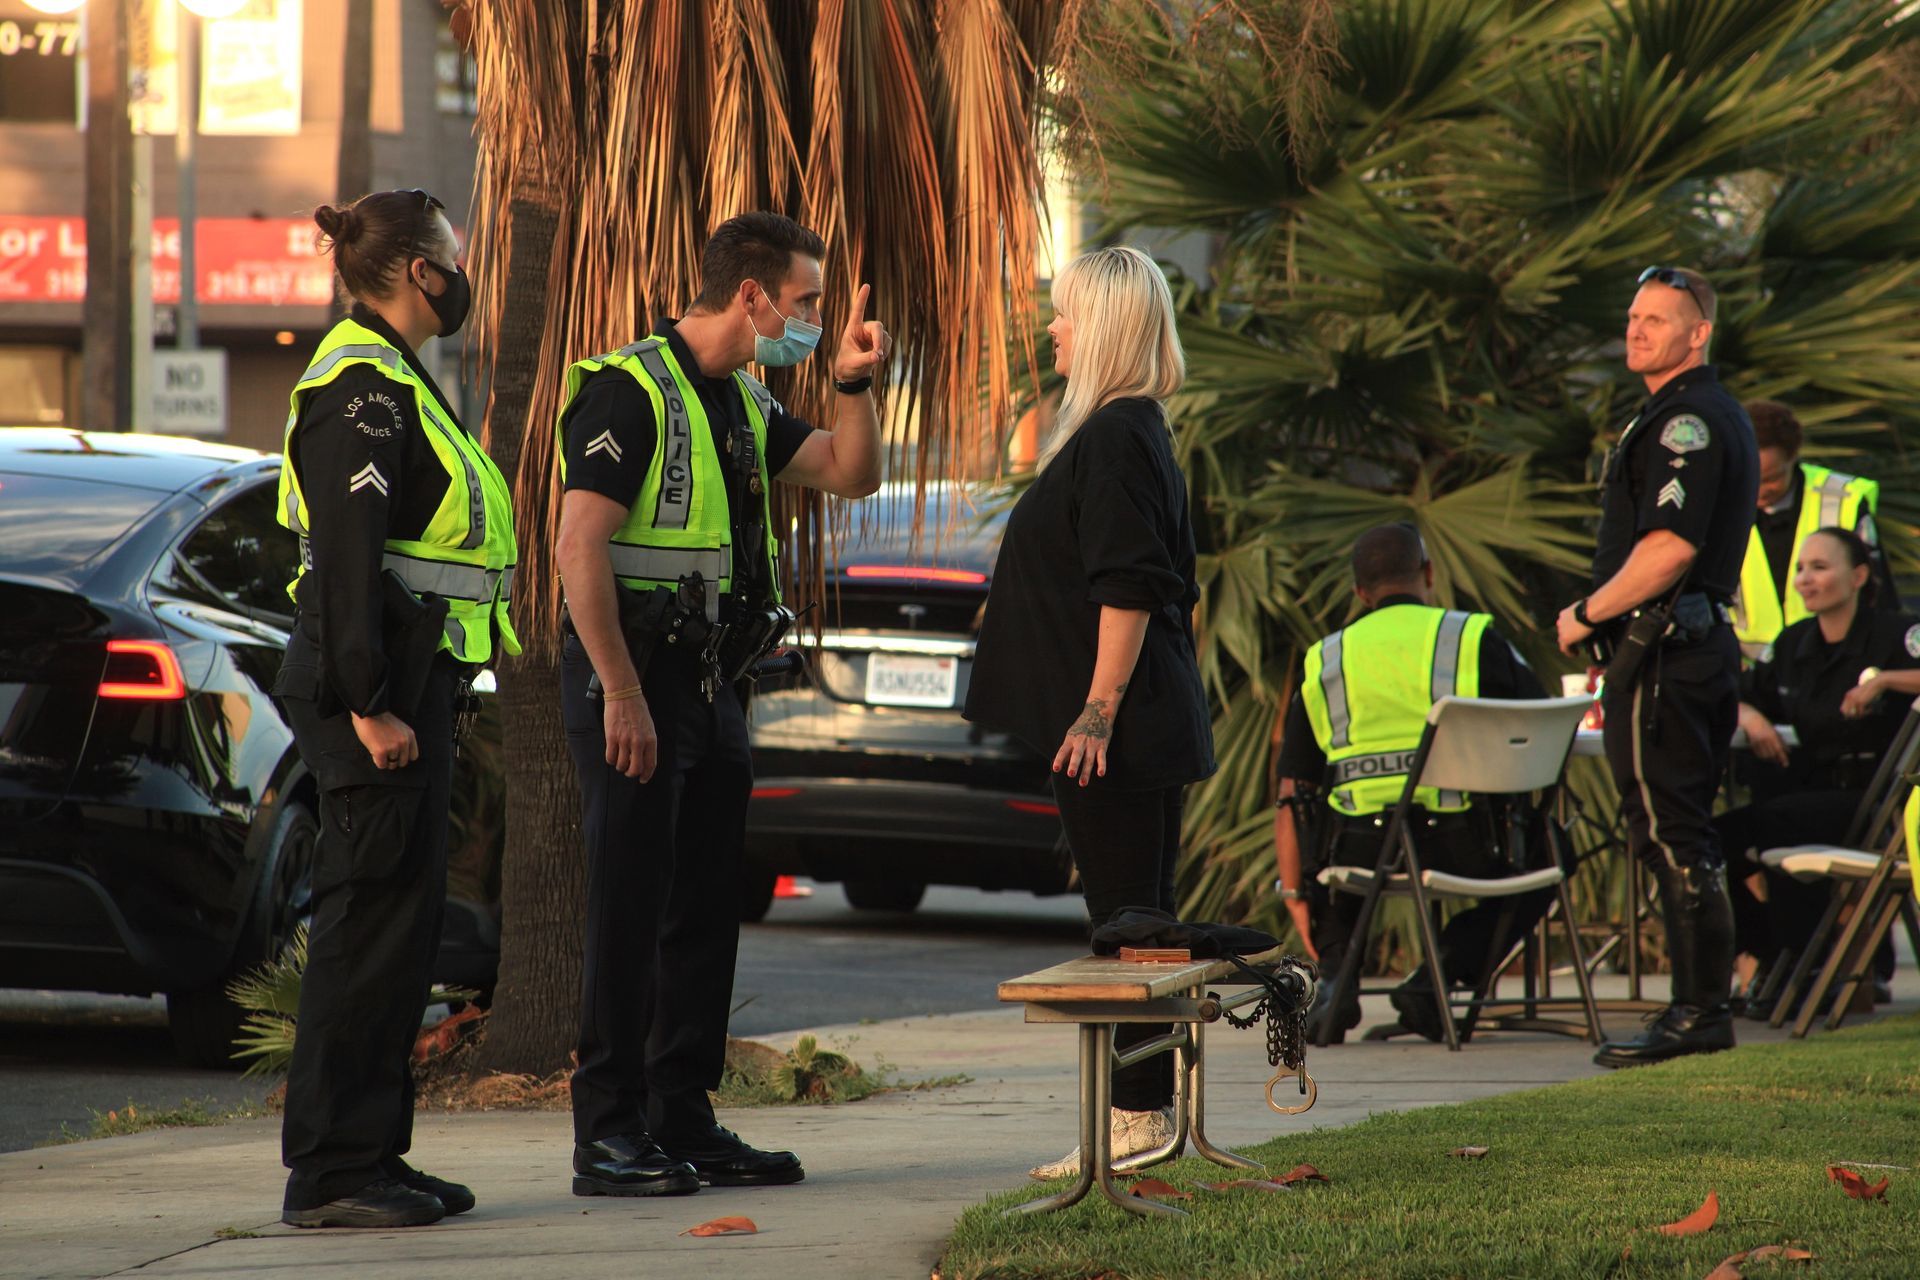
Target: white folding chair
(1483,746)
(1860,878)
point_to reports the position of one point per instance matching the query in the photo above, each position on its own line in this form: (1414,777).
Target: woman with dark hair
(1844,679)
(1086,650)
(406,555)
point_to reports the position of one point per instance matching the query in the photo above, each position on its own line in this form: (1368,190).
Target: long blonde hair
(1125,342)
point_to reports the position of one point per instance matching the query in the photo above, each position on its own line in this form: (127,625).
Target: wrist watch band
(1580,612)
(853,386)
(1286,894)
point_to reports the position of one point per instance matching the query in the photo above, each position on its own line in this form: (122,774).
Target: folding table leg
(1098,1154)
(1096,1048)
(1195,1087)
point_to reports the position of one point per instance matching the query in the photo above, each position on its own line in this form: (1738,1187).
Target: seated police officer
(1360,712)
(666,551)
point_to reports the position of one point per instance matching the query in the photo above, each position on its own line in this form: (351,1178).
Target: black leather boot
(1699,920)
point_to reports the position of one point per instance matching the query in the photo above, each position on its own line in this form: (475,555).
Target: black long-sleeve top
(368,473)
(1801,679)
(1107,523)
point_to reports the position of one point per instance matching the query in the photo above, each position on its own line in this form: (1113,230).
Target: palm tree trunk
(543,878)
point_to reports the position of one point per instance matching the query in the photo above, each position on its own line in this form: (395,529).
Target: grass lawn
(1576,1176)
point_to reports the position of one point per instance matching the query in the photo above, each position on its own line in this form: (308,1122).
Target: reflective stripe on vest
(1370,726)
(676,442)
(1765,608)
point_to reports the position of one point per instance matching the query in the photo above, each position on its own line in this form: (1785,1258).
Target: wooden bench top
(1108,978)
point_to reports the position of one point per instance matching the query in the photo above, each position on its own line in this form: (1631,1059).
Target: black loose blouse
(1107,523)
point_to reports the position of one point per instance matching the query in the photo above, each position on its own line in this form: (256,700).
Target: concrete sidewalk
(885,1177)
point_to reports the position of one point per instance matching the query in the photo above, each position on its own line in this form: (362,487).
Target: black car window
(53,525)
(244,554)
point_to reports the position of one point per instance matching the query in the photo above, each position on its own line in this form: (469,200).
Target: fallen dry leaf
(1784,1252)
(1699,1220)
(1154,1189)
(1469,1153)
(1730,1266)
(1247,1184)
(723,1227)
(1302,1173)
(1856,1186)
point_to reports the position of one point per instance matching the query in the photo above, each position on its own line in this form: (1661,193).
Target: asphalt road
(813,962)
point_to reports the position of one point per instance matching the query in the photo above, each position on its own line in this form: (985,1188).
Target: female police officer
(1826,676)
(407,553)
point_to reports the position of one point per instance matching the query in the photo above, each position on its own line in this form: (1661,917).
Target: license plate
(894,680)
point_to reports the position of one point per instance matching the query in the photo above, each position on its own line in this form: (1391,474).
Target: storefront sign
(241,261)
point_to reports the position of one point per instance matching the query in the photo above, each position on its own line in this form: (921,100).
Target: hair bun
(341,223)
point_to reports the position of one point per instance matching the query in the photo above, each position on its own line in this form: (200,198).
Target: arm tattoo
(1094,722)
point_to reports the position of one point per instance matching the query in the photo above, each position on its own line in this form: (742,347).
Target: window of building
(456,76)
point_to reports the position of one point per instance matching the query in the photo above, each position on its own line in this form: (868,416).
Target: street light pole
(106,344)
(186,132)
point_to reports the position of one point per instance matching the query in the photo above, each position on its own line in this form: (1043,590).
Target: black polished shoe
(1679,1030)
(722,1160)
(381,1203)
(630,1165)
(451,1195)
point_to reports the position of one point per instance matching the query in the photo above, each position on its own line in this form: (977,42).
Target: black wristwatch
(853,386)
(1580,613)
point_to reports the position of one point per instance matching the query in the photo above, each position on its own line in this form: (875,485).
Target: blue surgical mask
(791,347)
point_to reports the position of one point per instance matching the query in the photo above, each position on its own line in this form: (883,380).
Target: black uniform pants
(1460,844)
(663,891)
(1667,740)
(379,893)
(1125,845)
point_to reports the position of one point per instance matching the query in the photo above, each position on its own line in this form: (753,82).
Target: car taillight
(914,573)
(143,669)
(775,793)
(1034,806)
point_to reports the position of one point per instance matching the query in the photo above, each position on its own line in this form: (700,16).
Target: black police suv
(156,824)
(864,771)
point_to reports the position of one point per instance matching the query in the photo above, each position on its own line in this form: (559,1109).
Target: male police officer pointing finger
(666,548)
(1676,509)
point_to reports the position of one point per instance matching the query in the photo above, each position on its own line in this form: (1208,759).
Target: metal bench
(1094,992)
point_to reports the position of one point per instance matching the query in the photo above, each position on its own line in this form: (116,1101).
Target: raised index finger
(859,306)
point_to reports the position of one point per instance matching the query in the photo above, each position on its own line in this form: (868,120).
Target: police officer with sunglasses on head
(1676,511)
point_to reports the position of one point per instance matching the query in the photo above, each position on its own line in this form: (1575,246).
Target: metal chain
(1286,1018)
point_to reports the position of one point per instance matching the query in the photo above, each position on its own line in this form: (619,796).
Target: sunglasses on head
(1671,277)
(429,205)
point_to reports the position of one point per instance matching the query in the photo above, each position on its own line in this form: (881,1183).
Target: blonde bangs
(1125,340)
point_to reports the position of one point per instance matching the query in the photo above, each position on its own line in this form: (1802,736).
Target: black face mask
(452,303)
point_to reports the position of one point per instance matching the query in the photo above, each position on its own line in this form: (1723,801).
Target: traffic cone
(784,887)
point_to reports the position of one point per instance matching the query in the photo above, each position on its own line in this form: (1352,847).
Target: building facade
(268,153)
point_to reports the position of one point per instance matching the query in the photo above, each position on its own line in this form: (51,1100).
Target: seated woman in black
(1844,679)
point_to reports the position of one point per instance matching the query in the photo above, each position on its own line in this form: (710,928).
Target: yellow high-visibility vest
(681,523)
(467,552)
(1368,689)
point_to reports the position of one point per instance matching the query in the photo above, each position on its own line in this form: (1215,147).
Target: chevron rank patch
(603,443)
(1672,494)
(1913,642)
(367,477)
(1685,434)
